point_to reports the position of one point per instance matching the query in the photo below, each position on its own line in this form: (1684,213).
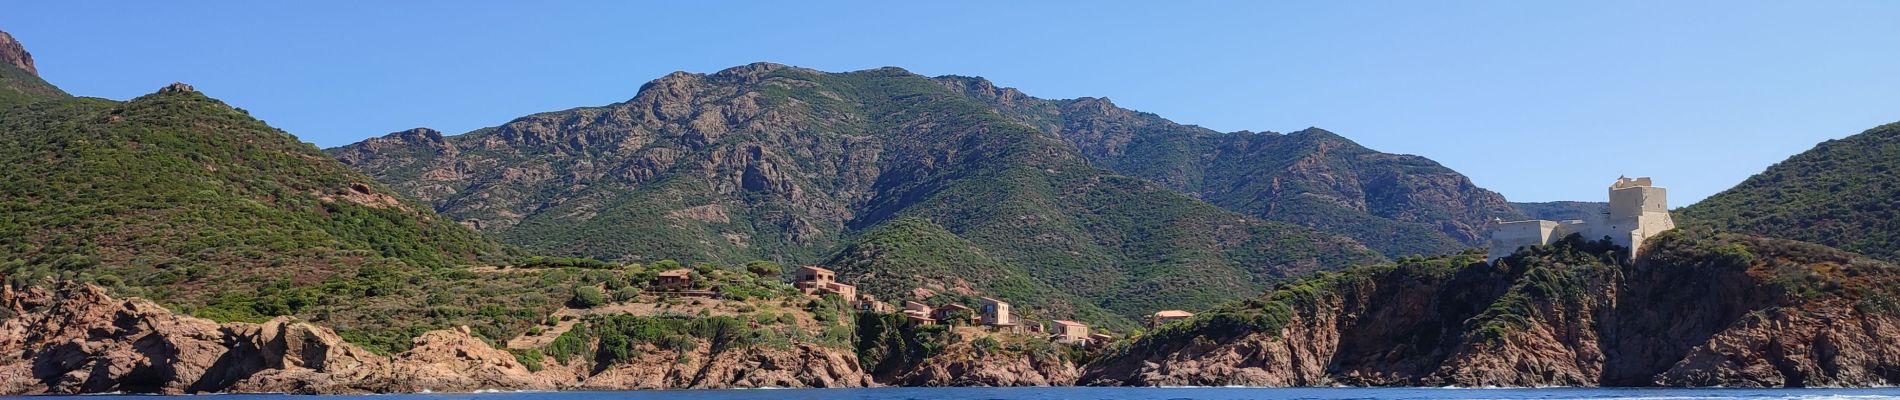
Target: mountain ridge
(1399,204)
(772,161)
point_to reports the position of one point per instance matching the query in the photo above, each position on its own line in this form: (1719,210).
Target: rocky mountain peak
(419,135)
(177,87)
(13,53)
(983,89)
(750,72)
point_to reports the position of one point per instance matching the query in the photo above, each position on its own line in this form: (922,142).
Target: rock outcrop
(79,340)
(962,365)
(797,366)
(1697,309)
(12,53)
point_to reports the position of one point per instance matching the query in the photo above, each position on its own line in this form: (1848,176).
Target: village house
(815,280)
(867,302)
(674,280)
(945,312)
(1070,332)
(995,313)
(920,308)
(918,313)
(1638,210)
(1163,317)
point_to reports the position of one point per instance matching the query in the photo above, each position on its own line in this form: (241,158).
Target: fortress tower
(1638,210)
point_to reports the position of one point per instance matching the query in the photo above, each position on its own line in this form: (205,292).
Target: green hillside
(1841,193)
(17,86)
(180,198)
(773,162)
(1396,204)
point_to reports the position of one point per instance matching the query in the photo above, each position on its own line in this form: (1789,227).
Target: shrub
(763,268)
(587,296)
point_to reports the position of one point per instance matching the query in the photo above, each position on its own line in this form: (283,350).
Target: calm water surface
(1136,393)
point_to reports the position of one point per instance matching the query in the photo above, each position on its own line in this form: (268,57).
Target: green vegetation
(1556,275)
(17,86)
(587,296)
(912,253)
(844,155)
(182,199)
(887,343)
(1840,194)
(1310,177)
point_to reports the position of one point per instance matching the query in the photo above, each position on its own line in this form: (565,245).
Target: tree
(763,268)
(588,296)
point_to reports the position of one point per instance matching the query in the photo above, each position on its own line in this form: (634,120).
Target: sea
(1089,393)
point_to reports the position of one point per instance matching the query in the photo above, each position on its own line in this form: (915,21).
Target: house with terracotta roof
(946,311)
(1163,317)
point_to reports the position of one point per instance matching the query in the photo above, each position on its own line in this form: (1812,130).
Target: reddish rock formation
(1695,310)
(79,340)
(11,52)
(962,365)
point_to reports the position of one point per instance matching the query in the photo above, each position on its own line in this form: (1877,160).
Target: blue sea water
(1085,393)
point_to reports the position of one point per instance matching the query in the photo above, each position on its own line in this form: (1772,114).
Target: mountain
(766,161)
(1397,204)
(19,80)
(180,198)
(1697,308)
(1593,212)
(1840,193)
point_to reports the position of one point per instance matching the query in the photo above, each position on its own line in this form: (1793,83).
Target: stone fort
(1638,210)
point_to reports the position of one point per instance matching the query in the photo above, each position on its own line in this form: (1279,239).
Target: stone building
(1068,332)
(1638,210)
(815,280)
(996,313)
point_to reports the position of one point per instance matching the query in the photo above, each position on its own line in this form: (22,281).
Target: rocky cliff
(12,53)
(19,80)
(1696,309)
(79,340)
(965,364)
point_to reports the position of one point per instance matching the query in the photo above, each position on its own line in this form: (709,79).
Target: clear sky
(1539,100)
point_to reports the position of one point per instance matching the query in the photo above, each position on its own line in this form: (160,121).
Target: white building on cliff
(1638,210)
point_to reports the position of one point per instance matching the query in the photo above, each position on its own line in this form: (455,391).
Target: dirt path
(567,322)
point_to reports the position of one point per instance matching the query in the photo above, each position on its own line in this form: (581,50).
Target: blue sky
(1539,100)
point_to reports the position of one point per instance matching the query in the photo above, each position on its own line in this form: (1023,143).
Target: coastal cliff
(77,339)
(1695,309)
